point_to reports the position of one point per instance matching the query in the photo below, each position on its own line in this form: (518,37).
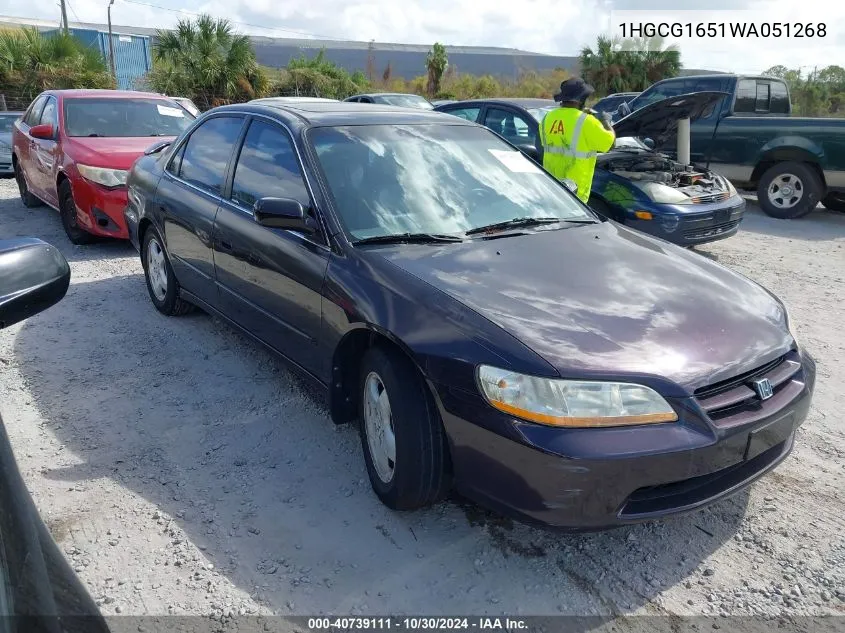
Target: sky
(559,27)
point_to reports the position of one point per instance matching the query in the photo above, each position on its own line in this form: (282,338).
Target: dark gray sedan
(7,122)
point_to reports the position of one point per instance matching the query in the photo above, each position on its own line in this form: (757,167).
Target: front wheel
(161,282)
(67,209)
(789,190)
(401,433)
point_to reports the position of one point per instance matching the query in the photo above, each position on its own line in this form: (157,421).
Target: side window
(34,114)
(50,114)
(267,167)
(704,85)
(779,98)
(746,96)
(510,125)
(762,101)
(207,153)
(470,114)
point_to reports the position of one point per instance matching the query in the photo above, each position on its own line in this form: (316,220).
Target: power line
(72,11)
(257,26)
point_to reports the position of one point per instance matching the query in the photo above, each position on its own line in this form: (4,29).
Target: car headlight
(663,194)
(572,403)
(103,176)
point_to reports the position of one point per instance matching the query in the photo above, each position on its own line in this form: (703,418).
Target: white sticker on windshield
(168,111)
(515,161)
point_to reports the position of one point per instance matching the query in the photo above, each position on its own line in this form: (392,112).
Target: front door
(188,196)
(270,279)
(43,156)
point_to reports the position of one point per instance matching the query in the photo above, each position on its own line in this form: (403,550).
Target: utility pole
(64,16)
(111,43)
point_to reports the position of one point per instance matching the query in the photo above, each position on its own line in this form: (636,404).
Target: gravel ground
(183,470)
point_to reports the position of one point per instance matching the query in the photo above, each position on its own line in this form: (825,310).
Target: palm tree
(31,62)
(625,65)
(435,63)
(208,61)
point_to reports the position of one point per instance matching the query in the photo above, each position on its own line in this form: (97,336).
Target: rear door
(24,145)
(271,279)
(188,195)
(516,128)
(44,154)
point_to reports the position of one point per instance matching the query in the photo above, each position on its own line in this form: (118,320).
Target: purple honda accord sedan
(484,327)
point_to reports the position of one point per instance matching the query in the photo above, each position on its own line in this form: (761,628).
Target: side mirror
(44,131)
(33,276)
(649,143)
(530,151)
(155,148)
(570,184)
(283,213)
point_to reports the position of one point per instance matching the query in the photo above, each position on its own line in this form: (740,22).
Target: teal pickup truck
(750,138)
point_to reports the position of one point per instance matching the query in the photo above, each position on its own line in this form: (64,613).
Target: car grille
(697,490)
(733,402)
(714,229)
(711,197)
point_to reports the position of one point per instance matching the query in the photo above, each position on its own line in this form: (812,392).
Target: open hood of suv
(659,121)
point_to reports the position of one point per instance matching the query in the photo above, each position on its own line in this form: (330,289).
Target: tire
(796,178)
(418,474)
(161,282)
(67,210)
(29,200)
(834,202)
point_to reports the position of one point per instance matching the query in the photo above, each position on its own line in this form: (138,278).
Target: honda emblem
(763,388)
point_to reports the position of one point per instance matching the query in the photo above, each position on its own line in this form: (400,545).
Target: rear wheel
(834,201)
(401,433)
(67,209)
(789,190)
(161,282)
(28,199)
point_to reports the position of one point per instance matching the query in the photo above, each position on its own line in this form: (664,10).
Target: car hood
(659,120)
(598,300)
(114,153)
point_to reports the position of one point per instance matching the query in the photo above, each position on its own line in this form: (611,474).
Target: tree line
(206,60)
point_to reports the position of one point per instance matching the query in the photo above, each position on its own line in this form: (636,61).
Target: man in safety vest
(571,137)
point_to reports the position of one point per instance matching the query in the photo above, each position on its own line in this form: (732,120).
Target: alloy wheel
(157,269)
(786,191)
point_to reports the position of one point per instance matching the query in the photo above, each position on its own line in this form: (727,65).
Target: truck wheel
(834,201)
(789,190)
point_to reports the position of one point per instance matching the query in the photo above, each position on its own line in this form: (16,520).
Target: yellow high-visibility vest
(571,139)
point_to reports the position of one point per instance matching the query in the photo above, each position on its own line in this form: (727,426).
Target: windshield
(125,117)
(7,122)
(407,101)
(443,179)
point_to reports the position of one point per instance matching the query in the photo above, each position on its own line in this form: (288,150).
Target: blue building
(132,53)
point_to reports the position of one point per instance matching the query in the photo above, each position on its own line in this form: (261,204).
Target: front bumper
(100,210)
(590,479)
(687,225)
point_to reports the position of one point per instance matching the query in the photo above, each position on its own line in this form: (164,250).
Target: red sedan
(73,148)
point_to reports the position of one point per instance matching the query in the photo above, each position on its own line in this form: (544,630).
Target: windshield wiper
(515,223)
(408,237)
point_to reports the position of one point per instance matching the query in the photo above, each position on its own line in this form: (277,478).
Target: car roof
(387,94)
(108,94)
(517,101)
(330,113)
(293,100)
